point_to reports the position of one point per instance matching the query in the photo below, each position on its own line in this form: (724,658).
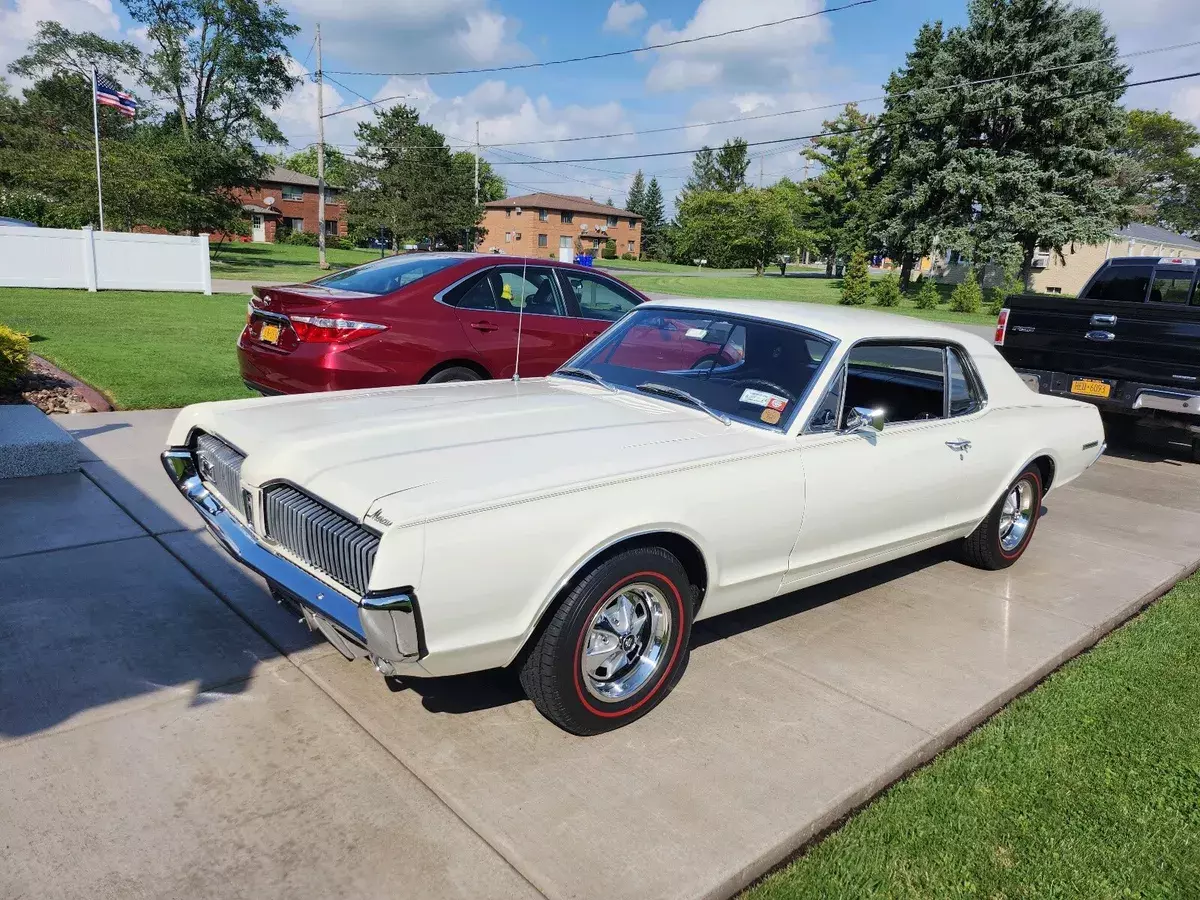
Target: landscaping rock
(31,443)
(45,388)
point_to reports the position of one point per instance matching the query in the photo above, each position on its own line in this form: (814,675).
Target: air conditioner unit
(1041,262)
(603,228)
(583,227)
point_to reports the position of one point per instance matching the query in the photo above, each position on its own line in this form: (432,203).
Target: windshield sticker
(697,333)
(762,398)
(770,416)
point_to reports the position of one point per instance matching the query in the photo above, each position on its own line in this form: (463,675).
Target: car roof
(843,323)
(1148,261)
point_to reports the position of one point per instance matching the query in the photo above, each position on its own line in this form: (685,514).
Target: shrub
(997,295)
(967,297)
(14,355)
(887,291)
(856,283)
(610,249)
(628,257)
(927,294)
(296,238)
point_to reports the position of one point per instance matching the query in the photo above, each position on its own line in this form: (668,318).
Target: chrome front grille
(325,540)
(220,466)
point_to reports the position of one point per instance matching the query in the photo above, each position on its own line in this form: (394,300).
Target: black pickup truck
(1130,343)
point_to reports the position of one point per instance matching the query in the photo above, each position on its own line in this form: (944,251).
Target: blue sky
(826,59)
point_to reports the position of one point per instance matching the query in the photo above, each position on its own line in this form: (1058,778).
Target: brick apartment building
(549,224)
(288,200)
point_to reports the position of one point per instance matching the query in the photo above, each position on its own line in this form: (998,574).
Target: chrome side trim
(386,626)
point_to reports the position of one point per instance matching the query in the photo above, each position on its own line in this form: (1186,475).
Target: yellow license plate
(1090,387)
(270,334)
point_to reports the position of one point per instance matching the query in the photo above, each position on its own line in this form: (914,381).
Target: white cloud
(622,15)
(18,23)
(411,35)
(778,55)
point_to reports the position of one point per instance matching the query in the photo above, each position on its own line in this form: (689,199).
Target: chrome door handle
(959,446)
(1104,320)
(1100,336)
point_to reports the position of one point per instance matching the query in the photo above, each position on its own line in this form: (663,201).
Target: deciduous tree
(1164,183)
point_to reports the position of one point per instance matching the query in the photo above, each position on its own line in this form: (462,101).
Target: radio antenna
(520,319)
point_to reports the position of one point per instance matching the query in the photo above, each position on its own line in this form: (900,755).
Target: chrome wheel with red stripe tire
(1002,537)
(616,644)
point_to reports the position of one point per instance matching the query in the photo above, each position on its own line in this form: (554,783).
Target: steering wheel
(773,386)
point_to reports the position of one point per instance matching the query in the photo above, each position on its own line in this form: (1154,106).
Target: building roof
(280,175)
(566,202)
(1152,234)
(250,207)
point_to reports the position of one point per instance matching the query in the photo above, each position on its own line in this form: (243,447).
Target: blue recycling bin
(584,260)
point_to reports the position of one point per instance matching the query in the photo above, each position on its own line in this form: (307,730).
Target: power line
(821,134)
(612,53)
(793,112)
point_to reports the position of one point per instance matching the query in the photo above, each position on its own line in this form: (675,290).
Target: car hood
(408,454)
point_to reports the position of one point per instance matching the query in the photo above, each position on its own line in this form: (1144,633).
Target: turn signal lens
(323,330)
(1001,327)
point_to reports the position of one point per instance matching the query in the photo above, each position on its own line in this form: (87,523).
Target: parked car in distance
(699,457)
(1130,343)
(425,318)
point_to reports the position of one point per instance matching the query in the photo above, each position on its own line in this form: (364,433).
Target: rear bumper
(383,627)
(1131,397)
(311,368)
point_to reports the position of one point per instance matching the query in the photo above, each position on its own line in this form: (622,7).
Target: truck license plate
(1090,387)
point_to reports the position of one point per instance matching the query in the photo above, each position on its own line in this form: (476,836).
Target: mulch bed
(52,391)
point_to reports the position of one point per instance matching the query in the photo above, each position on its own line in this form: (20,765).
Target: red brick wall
(305,208)
(502,231)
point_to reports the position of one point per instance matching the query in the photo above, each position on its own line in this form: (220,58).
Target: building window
(543,215)
(296,226)
(331,226)
(612,221)
(517,236)
(508,214)
(631,246)
(543,241)
(568,218)
(292,192)
(331,196)
(633,223)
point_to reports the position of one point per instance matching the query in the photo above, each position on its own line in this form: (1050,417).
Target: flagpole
(96,132)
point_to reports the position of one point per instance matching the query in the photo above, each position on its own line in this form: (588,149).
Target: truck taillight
(325,330)
(1001,327)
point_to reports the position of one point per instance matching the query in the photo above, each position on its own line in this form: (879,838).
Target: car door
(512,298)
(871,494)
(595,301)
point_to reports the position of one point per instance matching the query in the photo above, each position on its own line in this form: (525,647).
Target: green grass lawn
(650,265)
(142,349)
(806,290)
(279,262)
(1088,786)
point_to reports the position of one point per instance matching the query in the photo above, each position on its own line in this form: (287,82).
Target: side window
(1171,287)
(476,293)
(827,416)
(964,399)
(533,287)
(907,382)
(599,298)
(1125,283)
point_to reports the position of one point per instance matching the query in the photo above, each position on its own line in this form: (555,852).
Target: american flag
(108,95)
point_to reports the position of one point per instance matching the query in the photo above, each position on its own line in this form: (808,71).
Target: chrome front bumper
(386,627)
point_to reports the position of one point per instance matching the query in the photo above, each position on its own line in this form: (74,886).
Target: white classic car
(698,457)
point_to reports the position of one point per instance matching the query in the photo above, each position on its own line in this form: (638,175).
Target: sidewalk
(167,730)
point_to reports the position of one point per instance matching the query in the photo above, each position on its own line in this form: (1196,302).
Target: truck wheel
(1002,537)
(615,646)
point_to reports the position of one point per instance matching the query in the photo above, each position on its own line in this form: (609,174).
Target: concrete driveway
(166,730)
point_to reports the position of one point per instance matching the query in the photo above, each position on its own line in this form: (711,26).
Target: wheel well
(457,364)
(1046,466)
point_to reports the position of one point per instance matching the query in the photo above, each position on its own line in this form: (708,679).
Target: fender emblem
(376,516)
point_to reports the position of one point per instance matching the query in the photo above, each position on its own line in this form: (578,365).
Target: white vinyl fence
(103,260)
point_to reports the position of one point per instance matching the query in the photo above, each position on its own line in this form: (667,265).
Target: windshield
(387,275)
(746,369)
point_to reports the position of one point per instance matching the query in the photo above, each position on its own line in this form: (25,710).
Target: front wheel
(615,646)
(1002,537)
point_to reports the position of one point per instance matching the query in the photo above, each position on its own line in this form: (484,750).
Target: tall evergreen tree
(840,194)
(653,221)
(731,163)
(704,174)
(636,200)
(1033,159)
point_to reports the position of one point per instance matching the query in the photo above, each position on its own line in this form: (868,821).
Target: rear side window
(387,275)
(474,293)
(1171,287)
(964,399)
(1124,283)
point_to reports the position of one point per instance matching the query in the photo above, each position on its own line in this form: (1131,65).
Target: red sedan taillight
(324,330)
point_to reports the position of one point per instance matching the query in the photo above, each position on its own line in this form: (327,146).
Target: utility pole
(760,168)
(321,262)
(476,162)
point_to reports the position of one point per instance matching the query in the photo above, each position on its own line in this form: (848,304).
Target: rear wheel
(1002,537)
(453,373)
(615,646)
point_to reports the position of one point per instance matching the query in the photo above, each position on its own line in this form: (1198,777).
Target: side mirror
(863,419)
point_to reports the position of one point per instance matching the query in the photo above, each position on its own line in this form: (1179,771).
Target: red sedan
(426,317)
